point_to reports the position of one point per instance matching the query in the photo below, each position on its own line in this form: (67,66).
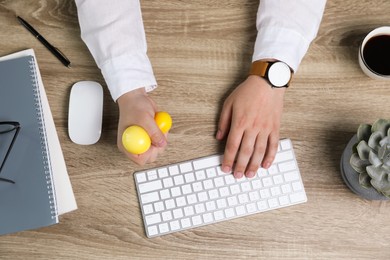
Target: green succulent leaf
(364,180)
(357,164)
(374,140)
(364,132)
(376,173)
(385,141)
(381,185)
(363,150)
(384,154)
(381,125)
(374,159)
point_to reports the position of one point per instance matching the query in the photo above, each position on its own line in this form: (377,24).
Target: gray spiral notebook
(29,202)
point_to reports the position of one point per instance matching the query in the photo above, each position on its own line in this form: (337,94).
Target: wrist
(125,98)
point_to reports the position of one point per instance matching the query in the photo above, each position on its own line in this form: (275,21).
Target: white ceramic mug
(385,30)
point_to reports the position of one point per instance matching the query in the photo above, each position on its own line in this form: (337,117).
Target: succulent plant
(371,156)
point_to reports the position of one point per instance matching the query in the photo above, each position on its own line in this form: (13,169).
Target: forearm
(286,29)
(114,34)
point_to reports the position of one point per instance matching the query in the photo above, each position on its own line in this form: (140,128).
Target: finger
(272,148)
(244,154)
(224,121)
(257,157)
(232,146)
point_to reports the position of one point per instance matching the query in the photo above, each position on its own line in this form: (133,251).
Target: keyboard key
(175,225)
(167,215)
(213,194)
(232,201)
(283,200)
(211,173)
(273,170)
(285,144)
(196,220)
(218,215)
(179,180)
(152,175)
(173,170)
(181,201)
(185,222)
(197,186)
(168,182)
(163,228)
(152,230)
(158,206)
(148,209)
(240,210)
(199,208)
(219,182)
(177,213)
(208,217)
(189,211)
(287,166)
(298,197)
(251,207)
(141,177)
(186,189)
(284,156)
(221,203)
(202,196)
(162,173)
(149,197)
(153,219)
(164,194)
(291,176)
(207,162)
(229,213)
(150,186)
(210,205)
(189,177)
(175,191)
(170,204)
(200,175)
(297,186)
(185,167)
(273,203)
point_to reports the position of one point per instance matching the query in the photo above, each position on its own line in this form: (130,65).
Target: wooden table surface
(200,50)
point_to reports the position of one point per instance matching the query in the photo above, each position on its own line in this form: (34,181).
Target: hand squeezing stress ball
(137,141)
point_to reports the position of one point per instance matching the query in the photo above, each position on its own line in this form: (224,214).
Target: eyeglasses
(7,127)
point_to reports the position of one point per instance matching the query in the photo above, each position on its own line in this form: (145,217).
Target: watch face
(279,74)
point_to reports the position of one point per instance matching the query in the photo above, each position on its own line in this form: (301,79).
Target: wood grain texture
(201,50)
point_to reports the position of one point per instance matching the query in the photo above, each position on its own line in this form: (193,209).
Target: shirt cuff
(128,72)
(281,44)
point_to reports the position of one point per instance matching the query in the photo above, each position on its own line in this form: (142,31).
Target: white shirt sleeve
(114,33)
(286,29)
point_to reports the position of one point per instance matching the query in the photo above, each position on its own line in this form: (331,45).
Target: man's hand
(250,119)
(137,108)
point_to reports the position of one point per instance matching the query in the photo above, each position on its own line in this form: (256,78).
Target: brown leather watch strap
(259,68)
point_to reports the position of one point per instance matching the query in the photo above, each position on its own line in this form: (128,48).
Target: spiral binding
(43,141)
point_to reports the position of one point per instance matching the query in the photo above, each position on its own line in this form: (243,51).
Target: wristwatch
(277,73)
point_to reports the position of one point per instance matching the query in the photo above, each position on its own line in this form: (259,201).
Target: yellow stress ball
(136,140)
(163,121)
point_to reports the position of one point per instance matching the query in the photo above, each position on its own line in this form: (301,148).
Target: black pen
(56,52)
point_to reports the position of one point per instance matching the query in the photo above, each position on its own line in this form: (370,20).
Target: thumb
(157,137)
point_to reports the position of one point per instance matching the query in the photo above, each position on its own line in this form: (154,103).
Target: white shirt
(114,33)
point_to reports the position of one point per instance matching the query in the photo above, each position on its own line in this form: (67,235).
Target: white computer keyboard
(197,193)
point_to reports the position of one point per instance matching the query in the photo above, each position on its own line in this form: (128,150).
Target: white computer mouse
(85,112)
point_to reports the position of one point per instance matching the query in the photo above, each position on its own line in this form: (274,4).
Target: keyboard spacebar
(207,162)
